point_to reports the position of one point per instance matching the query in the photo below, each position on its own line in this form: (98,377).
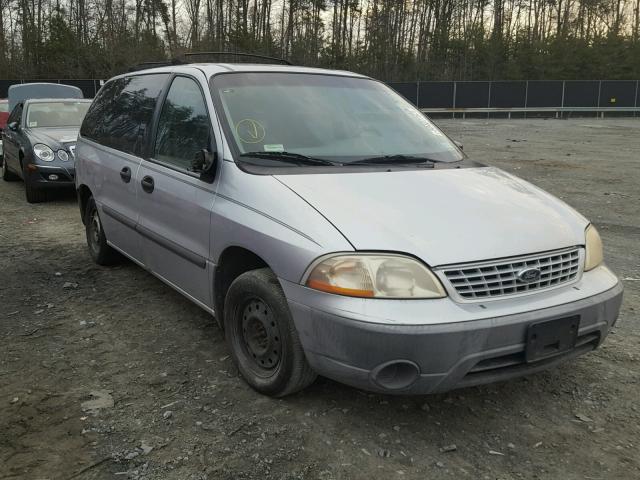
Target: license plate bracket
(551,337)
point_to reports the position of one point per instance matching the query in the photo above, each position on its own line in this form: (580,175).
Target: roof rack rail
(185,60)
(145,65)
(240,54)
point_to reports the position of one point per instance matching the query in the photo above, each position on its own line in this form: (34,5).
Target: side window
(93,125)
(184,127)
(121,114)
(16,115)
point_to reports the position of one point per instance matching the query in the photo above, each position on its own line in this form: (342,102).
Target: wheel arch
(232,262)
(84,194)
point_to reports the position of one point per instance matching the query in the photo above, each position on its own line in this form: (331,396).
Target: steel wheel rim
(95,229)
(260,336)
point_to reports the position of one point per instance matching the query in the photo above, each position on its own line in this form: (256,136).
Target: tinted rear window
(121,113)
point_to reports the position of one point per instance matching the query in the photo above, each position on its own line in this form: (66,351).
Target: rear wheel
(99,250)
(7,175)
(262,337)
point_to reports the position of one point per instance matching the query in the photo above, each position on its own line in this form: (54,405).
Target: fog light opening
(396,375)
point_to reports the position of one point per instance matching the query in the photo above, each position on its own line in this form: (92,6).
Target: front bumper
(42,176)
(344,345)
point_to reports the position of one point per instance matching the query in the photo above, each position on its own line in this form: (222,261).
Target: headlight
(374,276)
(63,155)
(43,152)
(593,247)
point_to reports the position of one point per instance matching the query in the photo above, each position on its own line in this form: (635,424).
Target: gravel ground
(165,401)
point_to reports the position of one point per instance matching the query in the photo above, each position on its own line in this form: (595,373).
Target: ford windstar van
(332,229)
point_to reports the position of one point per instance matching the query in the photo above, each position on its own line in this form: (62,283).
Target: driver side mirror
(13,126)
(204,162)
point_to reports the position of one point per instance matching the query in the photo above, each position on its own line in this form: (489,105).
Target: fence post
(489,99)
(635,103)
(455,92)
(526,97)
(562,102)
(599,93)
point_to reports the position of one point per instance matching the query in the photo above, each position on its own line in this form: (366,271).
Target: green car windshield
(331,117)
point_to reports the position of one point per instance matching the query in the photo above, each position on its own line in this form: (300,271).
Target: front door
(175,204)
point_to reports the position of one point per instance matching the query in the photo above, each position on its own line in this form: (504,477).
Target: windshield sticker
(33,124)
(276,147)
(250,131)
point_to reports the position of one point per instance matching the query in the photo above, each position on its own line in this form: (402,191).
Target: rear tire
(263,340)
(7,175)
(99,250)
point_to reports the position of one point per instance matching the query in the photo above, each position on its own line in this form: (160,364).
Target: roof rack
(145,65)
(240,54)
(186,59)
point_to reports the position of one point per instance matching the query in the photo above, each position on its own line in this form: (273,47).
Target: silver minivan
(332,229)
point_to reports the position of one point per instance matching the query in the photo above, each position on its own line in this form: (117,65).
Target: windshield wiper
(290,157)
(393,159)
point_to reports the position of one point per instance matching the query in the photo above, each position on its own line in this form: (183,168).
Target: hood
(54,136)
(442,216)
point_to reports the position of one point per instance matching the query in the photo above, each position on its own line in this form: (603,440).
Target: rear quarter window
(121,114)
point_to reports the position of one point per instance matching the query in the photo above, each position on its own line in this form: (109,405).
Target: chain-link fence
(555,95)
(533,95)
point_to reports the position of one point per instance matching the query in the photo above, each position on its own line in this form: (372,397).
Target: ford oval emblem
(529,275)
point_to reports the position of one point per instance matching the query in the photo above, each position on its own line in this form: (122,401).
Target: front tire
(99,250)
(262,337)
(33,194)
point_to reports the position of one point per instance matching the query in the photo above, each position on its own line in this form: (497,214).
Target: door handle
(147,184)
(125,174)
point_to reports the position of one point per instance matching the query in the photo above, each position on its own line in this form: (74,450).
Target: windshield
(56,114)
(342,119)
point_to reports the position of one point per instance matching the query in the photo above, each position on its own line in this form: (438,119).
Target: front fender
(260,214)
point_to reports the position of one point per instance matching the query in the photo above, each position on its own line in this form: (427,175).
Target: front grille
(500,278)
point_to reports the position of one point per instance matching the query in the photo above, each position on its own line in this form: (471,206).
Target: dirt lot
(173,406)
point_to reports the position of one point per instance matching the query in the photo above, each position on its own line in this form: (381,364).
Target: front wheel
(262,337)
(33,194)
(100,251)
